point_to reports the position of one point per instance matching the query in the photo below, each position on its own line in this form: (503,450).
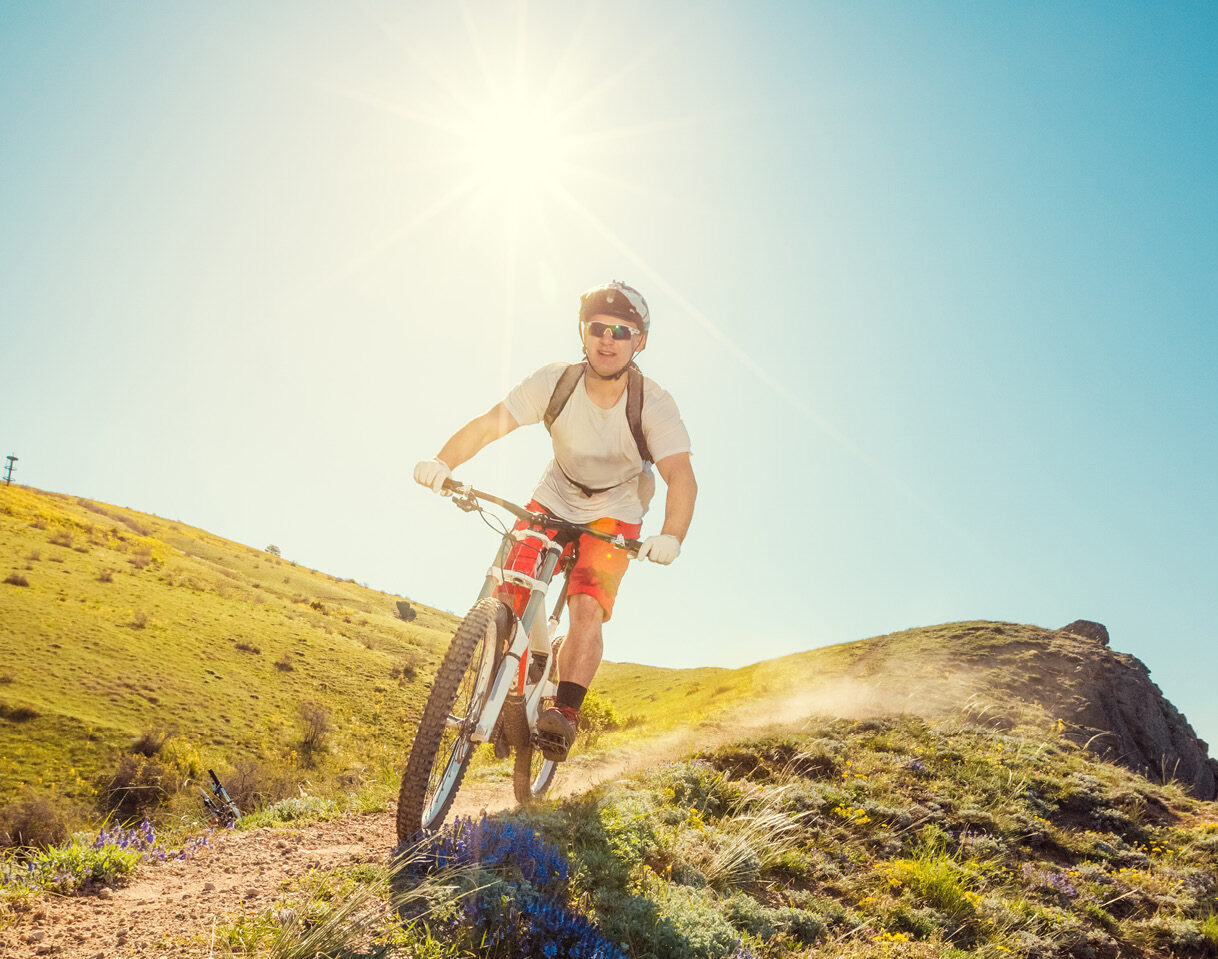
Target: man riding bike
(604,446)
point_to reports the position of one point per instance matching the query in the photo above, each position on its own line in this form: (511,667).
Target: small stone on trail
(209,887)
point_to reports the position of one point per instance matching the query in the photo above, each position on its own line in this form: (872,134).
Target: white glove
(432,474)
(660,549)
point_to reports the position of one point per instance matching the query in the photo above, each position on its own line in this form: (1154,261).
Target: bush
(17,714)
(151,741)
(255,785)
(113,855)
(315,728)
(139,787)
(16,579)
(597,716)
(35,820)
(517,909)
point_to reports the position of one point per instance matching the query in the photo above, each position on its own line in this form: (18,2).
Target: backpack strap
(563,389)
(634,410)
(562,392)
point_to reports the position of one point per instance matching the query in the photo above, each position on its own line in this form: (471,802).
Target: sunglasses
(619,331)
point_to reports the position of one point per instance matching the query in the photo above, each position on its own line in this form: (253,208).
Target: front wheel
(443,743)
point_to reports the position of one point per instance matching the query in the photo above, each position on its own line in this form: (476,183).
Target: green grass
(924,838)
(131,622)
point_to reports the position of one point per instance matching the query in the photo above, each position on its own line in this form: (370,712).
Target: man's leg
(584,646)
(592,589)
(577,664)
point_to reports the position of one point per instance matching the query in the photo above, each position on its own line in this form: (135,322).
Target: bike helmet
(615,299)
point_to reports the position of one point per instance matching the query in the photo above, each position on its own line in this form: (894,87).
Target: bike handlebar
(466,497)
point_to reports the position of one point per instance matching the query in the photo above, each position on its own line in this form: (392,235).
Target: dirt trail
(172,909)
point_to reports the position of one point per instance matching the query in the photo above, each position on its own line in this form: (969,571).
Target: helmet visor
(615,299)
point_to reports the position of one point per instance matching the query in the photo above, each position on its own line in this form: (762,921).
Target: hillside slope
(1104,699)
(116,623)
(836,839)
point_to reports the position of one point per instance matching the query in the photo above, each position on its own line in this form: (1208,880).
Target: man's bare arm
(477,433)
(678,474)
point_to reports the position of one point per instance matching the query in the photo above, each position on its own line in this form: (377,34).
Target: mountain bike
(499,668)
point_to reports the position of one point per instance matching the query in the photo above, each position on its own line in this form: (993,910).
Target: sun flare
(513,148)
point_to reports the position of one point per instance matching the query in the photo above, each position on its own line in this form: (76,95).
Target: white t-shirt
(595,447)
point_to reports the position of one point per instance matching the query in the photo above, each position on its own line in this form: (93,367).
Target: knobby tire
(438,761)
(532,773)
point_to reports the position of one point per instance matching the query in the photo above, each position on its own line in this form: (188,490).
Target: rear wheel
(442,743)
(533,774)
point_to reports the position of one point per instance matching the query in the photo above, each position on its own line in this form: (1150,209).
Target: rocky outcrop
(1088,630)
(1112,707)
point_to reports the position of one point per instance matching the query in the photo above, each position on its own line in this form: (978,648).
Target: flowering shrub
(112,855)
(518,909)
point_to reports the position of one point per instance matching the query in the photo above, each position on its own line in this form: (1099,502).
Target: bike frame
(535,632)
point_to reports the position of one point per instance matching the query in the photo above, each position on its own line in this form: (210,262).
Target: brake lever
(464,499)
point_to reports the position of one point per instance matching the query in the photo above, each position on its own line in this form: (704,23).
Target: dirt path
(173,908)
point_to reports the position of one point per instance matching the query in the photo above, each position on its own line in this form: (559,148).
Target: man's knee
(585,611)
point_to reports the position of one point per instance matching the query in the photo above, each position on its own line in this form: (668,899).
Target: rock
(105,892)
(36,936)
(1112,707)
(209,887)
(1088,630)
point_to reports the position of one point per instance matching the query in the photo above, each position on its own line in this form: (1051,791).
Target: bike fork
(533,632)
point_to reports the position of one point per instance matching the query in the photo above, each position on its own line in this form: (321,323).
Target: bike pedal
(554,748)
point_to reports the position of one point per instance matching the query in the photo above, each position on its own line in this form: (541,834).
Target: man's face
(608,355)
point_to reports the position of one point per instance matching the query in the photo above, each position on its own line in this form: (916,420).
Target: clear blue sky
(933,283)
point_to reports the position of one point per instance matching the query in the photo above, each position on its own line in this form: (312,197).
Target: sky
(933,285)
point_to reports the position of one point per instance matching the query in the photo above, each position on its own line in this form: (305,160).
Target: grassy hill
(1099,697)
(117,625)
(921,794)
(894,837)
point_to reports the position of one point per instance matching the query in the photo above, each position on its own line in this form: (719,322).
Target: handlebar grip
(451,485)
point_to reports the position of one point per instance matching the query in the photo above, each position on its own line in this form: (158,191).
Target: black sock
(570,694)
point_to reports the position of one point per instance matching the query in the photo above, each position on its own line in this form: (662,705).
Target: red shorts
(597,572)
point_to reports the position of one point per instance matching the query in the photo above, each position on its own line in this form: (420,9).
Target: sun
(513,148)
(510,132)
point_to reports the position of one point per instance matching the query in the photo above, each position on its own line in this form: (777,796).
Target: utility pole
(8,479)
